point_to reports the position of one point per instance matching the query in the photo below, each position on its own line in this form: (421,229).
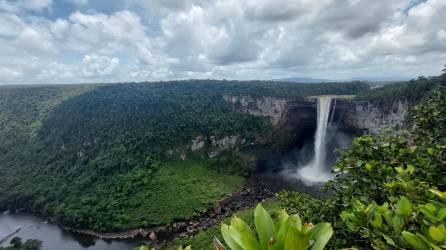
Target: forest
(388,191)
(106,157)
(117,156)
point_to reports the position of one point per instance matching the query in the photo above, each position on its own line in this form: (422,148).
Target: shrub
(403,173)
(386,191)
(287,233)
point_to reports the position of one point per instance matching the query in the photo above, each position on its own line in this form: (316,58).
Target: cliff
(272,107)
(372,117)
(298,116)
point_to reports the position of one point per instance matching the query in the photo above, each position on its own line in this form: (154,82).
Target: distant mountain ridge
(306,80)
(319,80)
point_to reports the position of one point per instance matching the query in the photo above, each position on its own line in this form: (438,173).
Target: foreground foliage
(203,240)
(287,233)
(393,183)
(389,192)
(317,210)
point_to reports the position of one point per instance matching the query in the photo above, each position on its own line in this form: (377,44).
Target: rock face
(198,143)
(297,119)
(372,117)
(300,115)
(215,146)
(361,116)
(265,106)
(225,143)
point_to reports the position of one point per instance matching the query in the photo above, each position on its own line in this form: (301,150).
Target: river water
(53,237)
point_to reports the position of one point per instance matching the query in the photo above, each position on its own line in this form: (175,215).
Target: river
(53,237)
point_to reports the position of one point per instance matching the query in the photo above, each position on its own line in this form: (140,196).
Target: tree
(16,242)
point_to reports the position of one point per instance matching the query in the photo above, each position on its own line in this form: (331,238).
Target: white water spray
(316,171)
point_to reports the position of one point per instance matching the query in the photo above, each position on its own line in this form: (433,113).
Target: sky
(86,41)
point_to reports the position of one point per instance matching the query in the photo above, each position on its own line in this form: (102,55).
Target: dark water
(53,237)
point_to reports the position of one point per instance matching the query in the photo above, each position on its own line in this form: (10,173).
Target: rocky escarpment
(272,107)
(298,117)
(211,146)
(215,146)
(373,117)
(298,122)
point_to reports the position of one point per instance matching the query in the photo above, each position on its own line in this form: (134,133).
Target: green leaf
(285,222)
(377,220)
(283,217)
(414,241)
(389,240)
(397,223)
(265,227)
(228,238)
(441,214)
(404,207)
(430,151)
(321,233)
(347,219)
(295,220)
(242,235)
(437,233)
(428,242)
(295,239)
(438,193)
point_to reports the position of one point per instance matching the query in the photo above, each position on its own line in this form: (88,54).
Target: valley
(222,125)
(159,162)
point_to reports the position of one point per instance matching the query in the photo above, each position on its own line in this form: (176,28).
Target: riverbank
(250,194)
(9,236)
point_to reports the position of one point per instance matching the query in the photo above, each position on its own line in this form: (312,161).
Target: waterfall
(317,171)
(333,113)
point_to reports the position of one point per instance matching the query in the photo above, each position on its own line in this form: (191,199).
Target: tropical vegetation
(389,188)
(108,157)
(17,244)
(287,233)
(111,157)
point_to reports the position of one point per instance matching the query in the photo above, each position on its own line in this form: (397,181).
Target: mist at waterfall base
(300,169)
(311,172)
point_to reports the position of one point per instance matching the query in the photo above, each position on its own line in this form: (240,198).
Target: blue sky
(76,41)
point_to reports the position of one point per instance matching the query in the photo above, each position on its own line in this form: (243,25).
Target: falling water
(316,171)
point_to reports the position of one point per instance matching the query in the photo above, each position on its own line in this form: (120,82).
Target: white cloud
(59,28)
(441,34)
(151,40)
(35,39)
(58,71)
(25,5)
(79,2)
(7,74)
(36,5)
(94,65)
(10,25)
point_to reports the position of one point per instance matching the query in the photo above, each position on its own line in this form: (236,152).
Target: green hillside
(106,157)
